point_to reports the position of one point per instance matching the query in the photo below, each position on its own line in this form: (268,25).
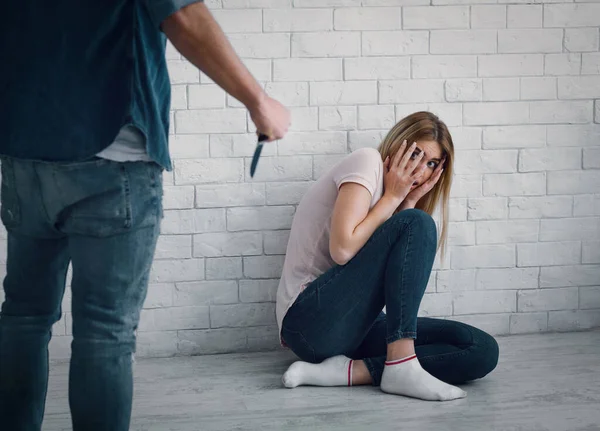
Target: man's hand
(270,117)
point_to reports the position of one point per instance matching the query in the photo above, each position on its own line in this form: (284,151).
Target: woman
(363,238)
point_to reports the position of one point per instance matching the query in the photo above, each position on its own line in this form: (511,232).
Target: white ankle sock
(334,371)
(407,377)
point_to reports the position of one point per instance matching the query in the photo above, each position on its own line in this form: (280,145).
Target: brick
(171,52)
(455,280)
(242,315)
(534,88)
(570,229)
(586,205)
(411,91)
(498,301)
(159,295)
(343,93)
(466,138)
(495,113)
(450,113)
(276,241)
(540,206)
(214,341)
(579,87)
(394,2)
(461,233)
(562,64)
(376,117)
(258,4)
(590,63)
(573,135)
(313,143)
(291,20)
(326,3)
(524,16)
(393,43)
(380,18)
(173,247)
(507,231)
(589,297)
(238,145)
(326,44)
(258,290)
(189,146)
(571,15)
(289,94)
(322,164)
(444,66)
(168,271)
(493,324)
(179,97)
(259,218)
(487,208)
(463,41)
(570,182)
(590,252)
(207,96)
(293,168)
(488,16)
(362,139)
(205,293)
(571,320)
(203,171)
(483,256)
(174,318)
(371,68)
(223,268)
(180,197)
(286,193)
(507,279)
(464,90)
(458,209)
(239,21)
(581,39)
(549,254)
(228,244)
(305,119)
(259,45)
(466,186)
(259,68)
(548,299)
(525,323)
(561,112)
(511,65)
(179,222)
(549,159)
(211,121)
(501,89)
(565,276)
(591,158)
(263,266)
(436,305)
(230,195)
(60,348)
(182,72)
(435,17)
(159,344)
(486,161)
(308,69)
(336,118)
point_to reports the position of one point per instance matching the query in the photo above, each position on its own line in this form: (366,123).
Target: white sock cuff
(400,361)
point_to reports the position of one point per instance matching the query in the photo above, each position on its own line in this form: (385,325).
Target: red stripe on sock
(399,361)
(350,372)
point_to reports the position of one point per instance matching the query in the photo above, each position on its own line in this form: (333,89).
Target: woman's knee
(419,220)
(484,354)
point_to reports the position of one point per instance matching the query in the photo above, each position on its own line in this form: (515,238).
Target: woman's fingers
(406,158)
(398,156)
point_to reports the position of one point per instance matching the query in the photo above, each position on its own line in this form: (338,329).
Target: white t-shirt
(129,146)
(307,255)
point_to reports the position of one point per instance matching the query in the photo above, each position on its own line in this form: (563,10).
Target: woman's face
(431,159)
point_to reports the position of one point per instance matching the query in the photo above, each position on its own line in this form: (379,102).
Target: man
(84,113)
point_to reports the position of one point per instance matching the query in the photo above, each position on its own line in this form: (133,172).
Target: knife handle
(262,137)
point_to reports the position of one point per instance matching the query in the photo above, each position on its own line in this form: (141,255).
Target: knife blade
(259,146)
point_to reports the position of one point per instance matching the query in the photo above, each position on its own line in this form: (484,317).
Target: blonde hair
(426,126)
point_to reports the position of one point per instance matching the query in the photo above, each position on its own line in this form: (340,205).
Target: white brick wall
(519,84)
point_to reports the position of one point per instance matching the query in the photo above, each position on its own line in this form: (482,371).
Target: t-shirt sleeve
(362,166)
(160,10)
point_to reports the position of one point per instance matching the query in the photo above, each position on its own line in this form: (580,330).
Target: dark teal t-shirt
(75,71)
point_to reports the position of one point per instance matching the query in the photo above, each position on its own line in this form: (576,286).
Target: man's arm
(196,35)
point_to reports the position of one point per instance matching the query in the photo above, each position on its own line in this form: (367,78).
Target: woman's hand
(401,172)
(413,197)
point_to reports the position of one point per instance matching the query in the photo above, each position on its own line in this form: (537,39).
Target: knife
(259,146)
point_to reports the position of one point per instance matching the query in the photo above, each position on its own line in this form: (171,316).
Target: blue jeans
(104,218)
(340,313)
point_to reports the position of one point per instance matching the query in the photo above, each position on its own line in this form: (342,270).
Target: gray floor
(543,382)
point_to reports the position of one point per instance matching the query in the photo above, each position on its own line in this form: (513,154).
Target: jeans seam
(127,197)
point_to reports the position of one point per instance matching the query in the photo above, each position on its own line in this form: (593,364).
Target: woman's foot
(335,371)
(407,377)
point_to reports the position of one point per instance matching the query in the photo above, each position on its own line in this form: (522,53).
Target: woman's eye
(432,164)
(414,155)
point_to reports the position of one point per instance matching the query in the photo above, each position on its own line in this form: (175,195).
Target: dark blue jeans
(104,218)
(340,313)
